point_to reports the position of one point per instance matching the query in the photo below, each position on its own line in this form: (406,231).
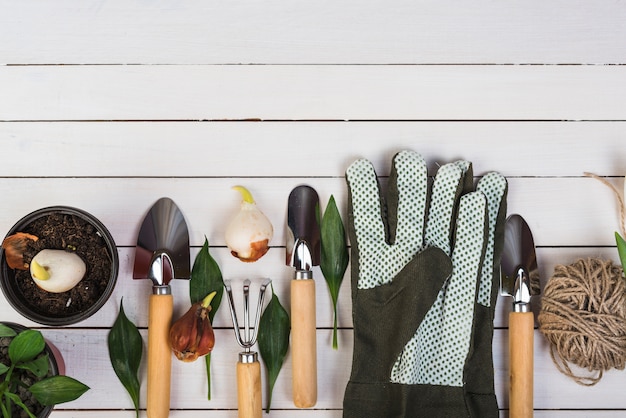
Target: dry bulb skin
(249,233)
(14,247)
(192,335)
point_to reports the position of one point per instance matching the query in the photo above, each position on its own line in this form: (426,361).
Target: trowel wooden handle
(159,356)
(249,390)
(521,331)
(303,343)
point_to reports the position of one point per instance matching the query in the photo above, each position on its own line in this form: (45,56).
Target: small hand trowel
(303,252)
(520,279)
(162,254)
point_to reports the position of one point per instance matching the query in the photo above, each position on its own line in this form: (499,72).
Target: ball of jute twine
(583,316)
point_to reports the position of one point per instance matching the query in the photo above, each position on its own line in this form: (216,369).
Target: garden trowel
(520,279)
(162,254)
(303,252)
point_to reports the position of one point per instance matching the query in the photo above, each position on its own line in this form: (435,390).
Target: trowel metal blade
(163,236)
(518,252)
(303,224)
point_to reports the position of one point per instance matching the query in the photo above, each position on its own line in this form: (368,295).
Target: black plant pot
(33,308)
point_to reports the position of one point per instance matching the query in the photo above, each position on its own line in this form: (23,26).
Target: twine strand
(620,200)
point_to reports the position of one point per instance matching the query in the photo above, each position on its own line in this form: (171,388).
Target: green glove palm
(423,290)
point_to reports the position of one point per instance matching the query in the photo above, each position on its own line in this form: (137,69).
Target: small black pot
(56,365)
(29,309)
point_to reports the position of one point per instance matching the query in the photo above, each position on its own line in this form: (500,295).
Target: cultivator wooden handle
(249,396)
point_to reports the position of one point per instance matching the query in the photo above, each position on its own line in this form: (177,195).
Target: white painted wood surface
(301,32)
(109,105)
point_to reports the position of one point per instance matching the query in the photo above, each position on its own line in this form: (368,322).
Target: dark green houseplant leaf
(334,255)
(273,340)
(58,389)
(17,401)
(6,331)
(125,352)
(39,366)
(206,277)
(26,345)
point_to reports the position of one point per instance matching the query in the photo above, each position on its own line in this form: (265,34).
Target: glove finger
(365,221)
(468,180)
(494,187)
(446,191)
(406,201)
(365,202)
(460,296)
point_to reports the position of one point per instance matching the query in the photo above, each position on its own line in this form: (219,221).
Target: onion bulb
(249,233)
(57,271)
(192,336)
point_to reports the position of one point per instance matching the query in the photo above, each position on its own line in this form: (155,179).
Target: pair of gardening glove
(424,287)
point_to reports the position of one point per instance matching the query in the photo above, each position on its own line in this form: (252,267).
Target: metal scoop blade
(519,274)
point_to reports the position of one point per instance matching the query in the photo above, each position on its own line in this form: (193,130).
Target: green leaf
(621,249)
(57,389)
(39,366)
(334,256)
(26,345)
(6,331)
(273,340)
(3,368)
(17,401)
(3,407)
(125,351)
(206,277)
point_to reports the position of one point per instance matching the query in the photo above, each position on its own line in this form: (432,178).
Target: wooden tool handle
(521,331)
(249,390)
(303,343)
(159,356)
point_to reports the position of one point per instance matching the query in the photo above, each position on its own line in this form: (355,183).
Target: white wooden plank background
(107,105)
(313,92)
(322,32)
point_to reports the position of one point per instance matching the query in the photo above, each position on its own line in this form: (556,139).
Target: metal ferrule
(248,357)
(162,290)
(303,275)
(521,307)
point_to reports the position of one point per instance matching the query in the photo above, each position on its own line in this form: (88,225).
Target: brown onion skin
(258,250)
(14,247)
(191,336)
